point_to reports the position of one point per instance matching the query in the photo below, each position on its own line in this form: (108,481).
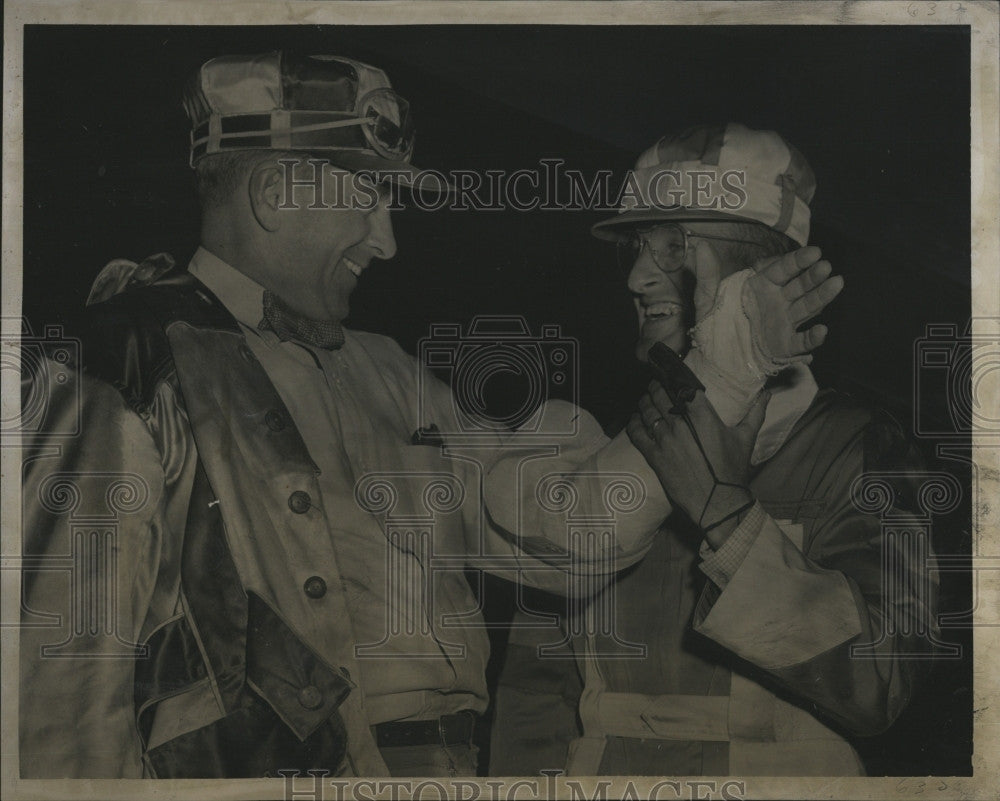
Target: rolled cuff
(779,608)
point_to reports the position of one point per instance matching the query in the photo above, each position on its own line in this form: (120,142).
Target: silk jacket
(811,638)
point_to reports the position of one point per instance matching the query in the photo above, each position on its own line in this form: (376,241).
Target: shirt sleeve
(588,495)
(560,498)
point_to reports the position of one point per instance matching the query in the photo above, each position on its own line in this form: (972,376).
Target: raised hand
(784,293)
(781,294)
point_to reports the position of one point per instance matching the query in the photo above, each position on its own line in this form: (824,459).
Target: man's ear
(267,193)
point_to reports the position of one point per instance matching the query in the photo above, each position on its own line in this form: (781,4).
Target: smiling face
(662,281)
(325,249)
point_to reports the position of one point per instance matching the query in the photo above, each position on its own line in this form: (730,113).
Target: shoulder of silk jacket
(126,337)
(230,636)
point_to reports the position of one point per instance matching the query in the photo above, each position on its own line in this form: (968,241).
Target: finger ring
(656,422)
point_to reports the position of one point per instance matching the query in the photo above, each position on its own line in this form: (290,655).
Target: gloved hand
(746,325)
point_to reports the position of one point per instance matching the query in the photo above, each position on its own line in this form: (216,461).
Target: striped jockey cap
(717,173)
(338,107)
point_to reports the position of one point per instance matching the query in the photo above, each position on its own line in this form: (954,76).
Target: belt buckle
(464,724)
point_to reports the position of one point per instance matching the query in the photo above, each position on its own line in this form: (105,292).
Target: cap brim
(616,228)
(403,172)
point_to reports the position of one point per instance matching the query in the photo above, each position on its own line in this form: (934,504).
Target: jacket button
(246,354)
(275,420)
(299,502)
(310,697)
(315,587)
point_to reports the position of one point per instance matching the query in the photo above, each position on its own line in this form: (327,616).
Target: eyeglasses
(666,243)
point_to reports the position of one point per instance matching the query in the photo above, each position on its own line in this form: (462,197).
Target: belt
(454,729)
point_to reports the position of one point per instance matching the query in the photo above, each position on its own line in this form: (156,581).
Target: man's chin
(335,309)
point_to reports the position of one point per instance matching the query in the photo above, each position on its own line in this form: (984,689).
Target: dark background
(882,115)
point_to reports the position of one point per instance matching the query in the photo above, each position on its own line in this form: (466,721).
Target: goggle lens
(389,129)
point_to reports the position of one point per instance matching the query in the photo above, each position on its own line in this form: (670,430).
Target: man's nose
(644,274)
(381,238)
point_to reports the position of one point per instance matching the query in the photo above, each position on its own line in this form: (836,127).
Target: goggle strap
(317,126)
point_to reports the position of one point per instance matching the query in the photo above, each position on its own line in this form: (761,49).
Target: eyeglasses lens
(666,244)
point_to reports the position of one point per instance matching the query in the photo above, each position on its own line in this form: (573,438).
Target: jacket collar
(789,401)
(240,294)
